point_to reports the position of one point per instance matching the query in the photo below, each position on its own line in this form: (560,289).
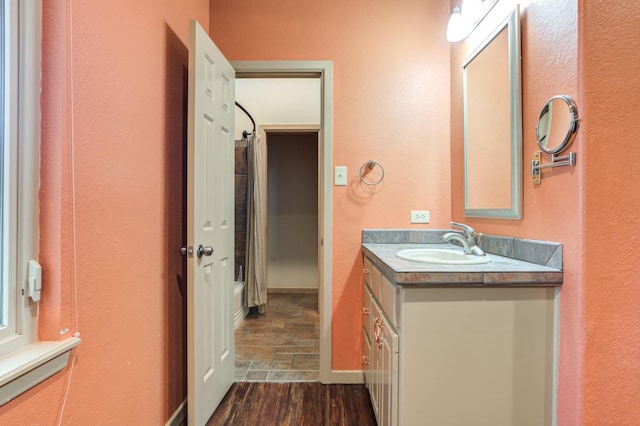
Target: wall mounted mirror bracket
(556,129)
(556,161)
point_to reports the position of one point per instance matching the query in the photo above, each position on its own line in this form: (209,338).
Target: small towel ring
(366,168)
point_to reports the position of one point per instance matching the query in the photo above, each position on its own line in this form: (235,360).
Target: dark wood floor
(297,403)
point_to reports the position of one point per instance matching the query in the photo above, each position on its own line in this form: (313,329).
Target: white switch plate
(34,279)
(340,175)
(419,216)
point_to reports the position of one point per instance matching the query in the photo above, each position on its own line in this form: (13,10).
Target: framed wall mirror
(493,124)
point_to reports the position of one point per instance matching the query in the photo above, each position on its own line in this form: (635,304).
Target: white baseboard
(238,303)
(179,415)
(349,377)
(239,316)
(292,290)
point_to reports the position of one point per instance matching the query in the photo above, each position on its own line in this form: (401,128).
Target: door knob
(204,250)
(186,250)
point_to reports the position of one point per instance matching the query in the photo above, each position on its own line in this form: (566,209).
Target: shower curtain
(256,267)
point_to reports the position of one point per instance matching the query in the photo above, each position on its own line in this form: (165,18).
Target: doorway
(282,343)
(321,70)
(292,211)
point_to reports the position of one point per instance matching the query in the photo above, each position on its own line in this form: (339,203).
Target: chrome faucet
(468,238)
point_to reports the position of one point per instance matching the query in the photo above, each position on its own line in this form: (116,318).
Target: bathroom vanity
(460,344)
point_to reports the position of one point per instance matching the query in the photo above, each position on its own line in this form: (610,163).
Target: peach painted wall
(129,90)
(610,66)
(552,210)
(390,104)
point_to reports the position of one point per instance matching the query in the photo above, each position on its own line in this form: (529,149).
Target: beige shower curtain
(256,267)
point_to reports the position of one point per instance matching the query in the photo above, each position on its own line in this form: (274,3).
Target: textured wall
(610,66)
(129,125)
(390,104)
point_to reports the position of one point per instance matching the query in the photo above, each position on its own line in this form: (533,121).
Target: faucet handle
(468,231)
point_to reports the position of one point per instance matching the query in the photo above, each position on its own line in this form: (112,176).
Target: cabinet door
(388,385)
(366,360)
(366,338)
(376,363)
(384,357)
(367,316)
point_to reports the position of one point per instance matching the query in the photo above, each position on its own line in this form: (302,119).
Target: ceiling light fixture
(457,27)
(464,19)
(471,11)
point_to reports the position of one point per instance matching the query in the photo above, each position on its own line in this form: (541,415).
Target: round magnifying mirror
(557,124)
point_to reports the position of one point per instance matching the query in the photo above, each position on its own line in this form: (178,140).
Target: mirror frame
(512,23)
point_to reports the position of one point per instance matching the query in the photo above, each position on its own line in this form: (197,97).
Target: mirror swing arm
(556,161)
(547,128)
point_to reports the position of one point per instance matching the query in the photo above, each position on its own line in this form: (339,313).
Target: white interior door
(210,224)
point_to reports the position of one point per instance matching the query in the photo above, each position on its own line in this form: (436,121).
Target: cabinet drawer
(366,273)
(367,322)
(388,300)
(372,278)
(385,330)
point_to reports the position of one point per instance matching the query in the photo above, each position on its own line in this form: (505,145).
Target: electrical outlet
(419,216)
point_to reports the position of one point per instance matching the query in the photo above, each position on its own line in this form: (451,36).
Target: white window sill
(33,364)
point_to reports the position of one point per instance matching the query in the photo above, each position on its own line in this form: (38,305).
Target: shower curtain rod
(244,132)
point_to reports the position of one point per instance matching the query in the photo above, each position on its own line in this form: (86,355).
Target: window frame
(22,128)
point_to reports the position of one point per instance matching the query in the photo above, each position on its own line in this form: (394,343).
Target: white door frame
(324,69)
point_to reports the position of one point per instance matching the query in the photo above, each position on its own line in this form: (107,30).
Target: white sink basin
(442,256)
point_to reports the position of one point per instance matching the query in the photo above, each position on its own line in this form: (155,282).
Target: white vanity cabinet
(457,354)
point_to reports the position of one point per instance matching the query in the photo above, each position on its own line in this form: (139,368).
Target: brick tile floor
(281,345)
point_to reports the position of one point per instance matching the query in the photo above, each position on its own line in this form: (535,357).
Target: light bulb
(457,27)
(471,10)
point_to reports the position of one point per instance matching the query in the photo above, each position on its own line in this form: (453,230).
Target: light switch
(340,175)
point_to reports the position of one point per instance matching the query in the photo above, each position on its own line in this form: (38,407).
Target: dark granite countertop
(501,271)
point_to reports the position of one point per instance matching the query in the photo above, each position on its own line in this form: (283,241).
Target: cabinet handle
(376,331)
(379,325)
